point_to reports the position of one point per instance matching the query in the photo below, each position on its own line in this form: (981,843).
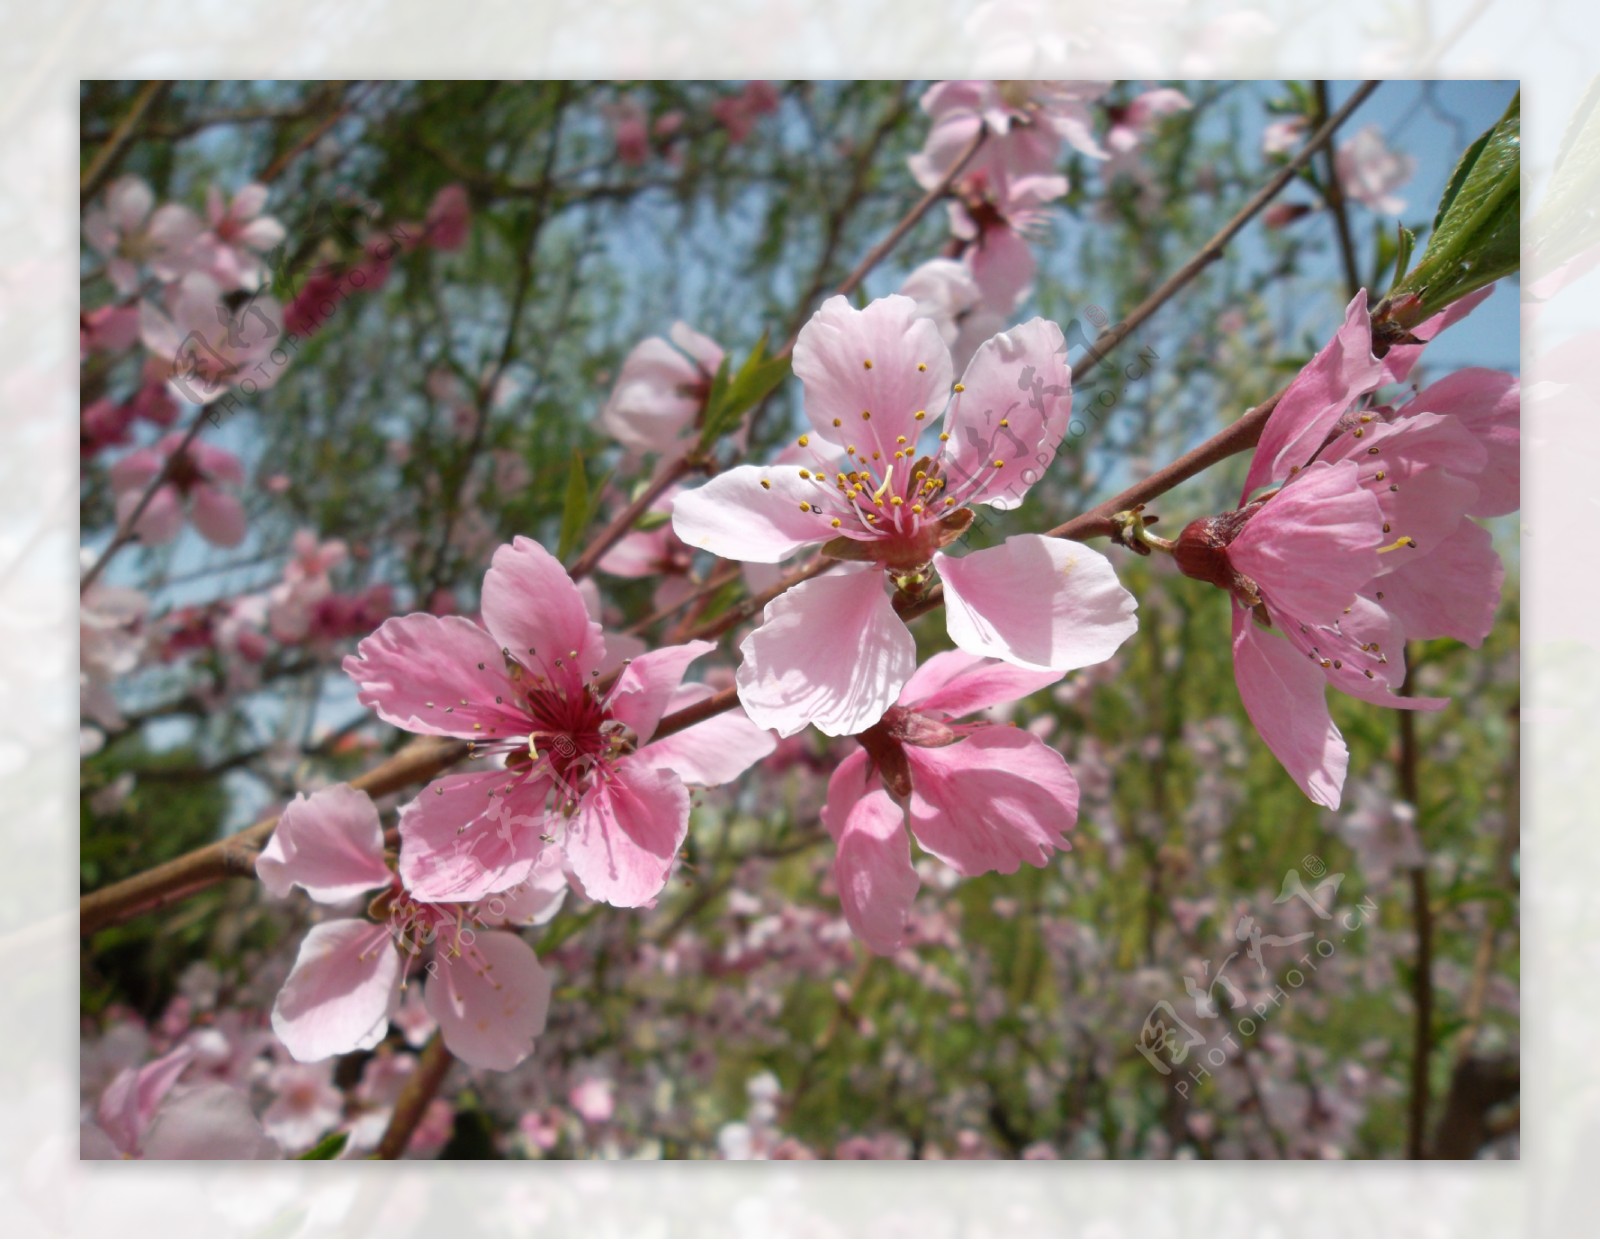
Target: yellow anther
(961,387)
(949,502)
(944,436)
(1005,421)
(921,413)
(895,501)
(999,464)
(866,415)
(922,366)
(866,364)
(805,473)
(838,421)
(805,441)
(834,523)
(804,507)
(765,485)
(916,508)
(899,439)
(1405,540)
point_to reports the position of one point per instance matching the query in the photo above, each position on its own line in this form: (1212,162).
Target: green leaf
(331,1146)
(731,398)
(1477,229)
(575,510)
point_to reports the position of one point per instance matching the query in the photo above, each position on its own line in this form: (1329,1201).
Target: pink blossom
(738,113)
(1283,137)
(109,329)
(130,236)
(656,554)
(199,483)
(233,250)
(485,987)
(832,651)
(145,1113)
(1369,172)
(1358,539)
(205,347)
(1028,123)
(1133,126)
(110,644)
(449,218)
(630,131)
(593,1098)
(522,686)
(980,797)
(661,390)
(307,1104)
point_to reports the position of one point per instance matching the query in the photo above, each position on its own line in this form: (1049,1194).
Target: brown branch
(671,472)
(1333,195)
(125,528)
(235,855)
(415,1095)
(1211,251)
(105,162)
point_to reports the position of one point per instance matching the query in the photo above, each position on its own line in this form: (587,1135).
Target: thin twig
(1333,195)
(105,161)
(125,528)
(415,1095)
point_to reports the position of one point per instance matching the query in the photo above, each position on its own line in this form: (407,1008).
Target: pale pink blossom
(656,554)
(1283,136)
(110,644)
(1133,126)
(661,390)
(233,249)
(200,483)
(131,236)
(1369,171)
(1353,535)
(306,1105)
(485,988)
(579,764)
(108,329)
(207,347)
(981,797)
(832,651)
(1028,124)
(145,1113)
(739,113)
(593,1098)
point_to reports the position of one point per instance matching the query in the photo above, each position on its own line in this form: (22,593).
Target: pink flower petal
(1401,359)
(162,519)
(1328,386)
(866,362)
(830,652)
(1014,410)
(1286,697)
(490,1001)
(623,839)
(956,683)
(1314,544)
(753,513)
(1453,591)
(438,676)
(535,900)
(466,836)
(344,986)
(873,871)
(532,608)
(218,516)
(208,1121)
(708,754)
(992,801)
(1489,404)
(648,683)
(330,844)
(851,780)
(1037,602)
(131,1100)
